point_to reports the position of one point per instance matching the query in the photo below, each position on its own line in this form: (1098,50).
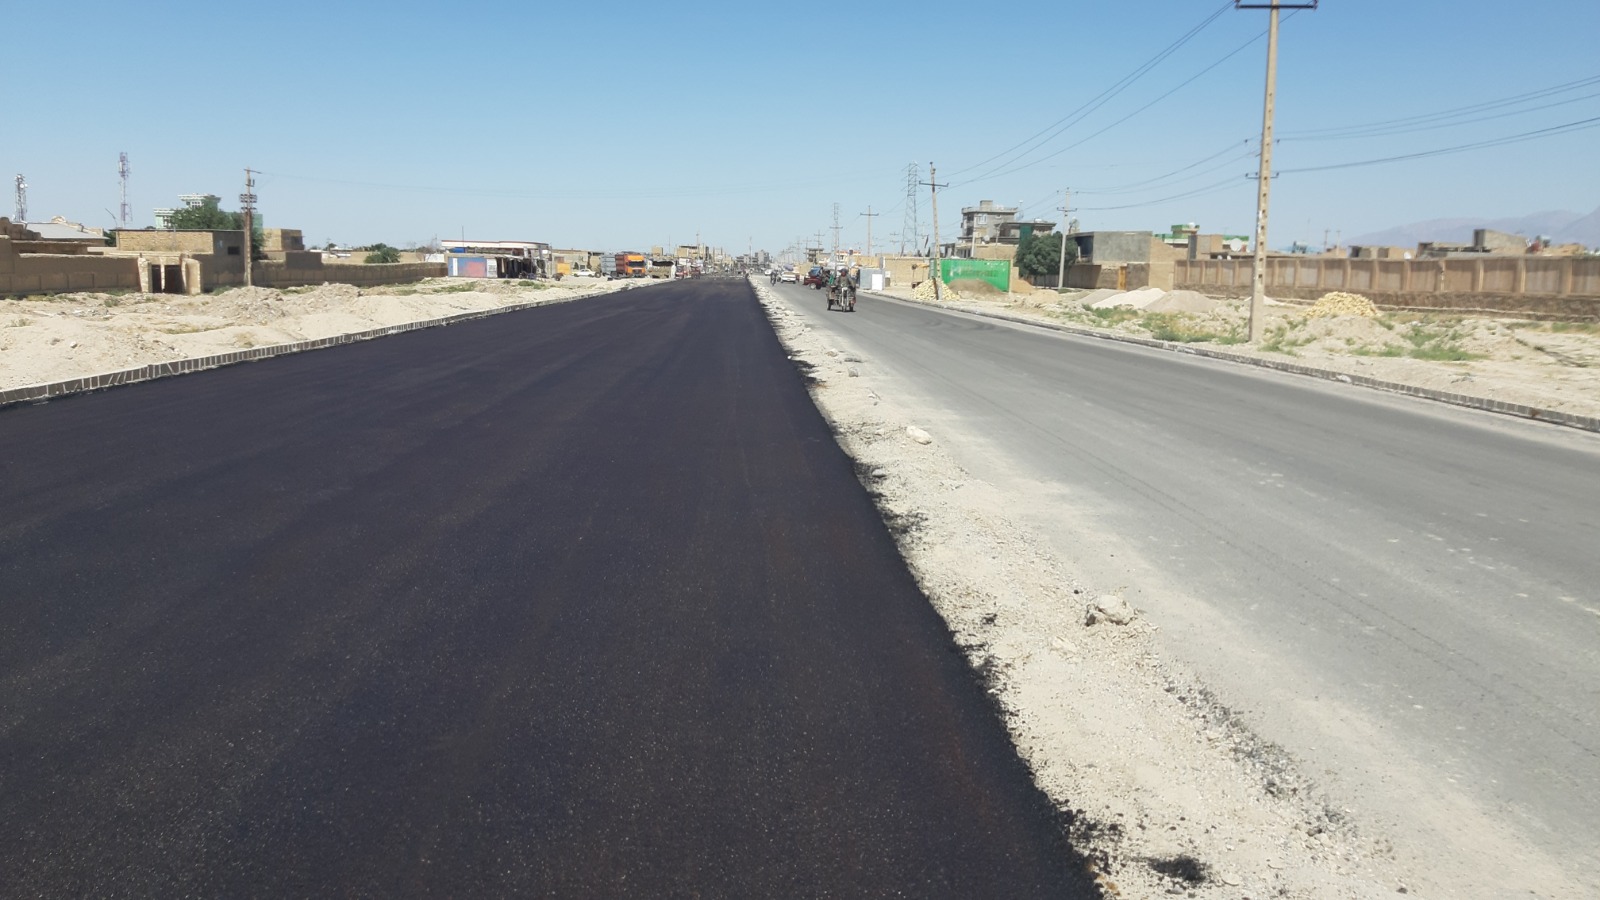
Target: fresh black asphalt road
(1417,574)
(577,601)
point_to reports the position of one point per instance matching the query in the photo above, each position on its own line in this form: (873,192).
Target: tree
(1040,254)
(206,217)
(383,253)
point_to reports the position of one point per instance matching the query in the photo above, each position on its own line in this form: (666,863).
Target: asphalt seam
(1484,404)
(40,393)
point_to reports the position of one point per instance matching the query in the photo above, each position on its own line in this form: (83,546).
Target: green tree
(383,253)
(206,217)
(1040,254)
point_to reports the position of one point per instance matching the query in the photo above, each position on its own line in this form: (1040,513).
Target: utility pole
(1258,279)
(933,268)
(870,215)
(1061,263)
(248,201)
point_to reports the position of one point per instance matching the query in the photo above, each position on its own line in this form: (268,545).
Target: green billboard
(995,271)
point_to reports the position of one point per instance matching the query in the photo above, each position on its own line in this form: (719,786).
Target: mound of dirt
(1138,299)
(1340,303)
(1184,301)
(1095,296)
(976,287)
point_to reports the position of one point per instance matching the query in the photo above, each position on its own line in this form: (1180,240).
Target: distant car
(788,277)
(582,273)
(815,278)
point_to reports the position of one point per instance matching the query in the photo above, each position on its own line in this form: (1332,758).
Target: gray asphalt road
(1435,571)
(579,601)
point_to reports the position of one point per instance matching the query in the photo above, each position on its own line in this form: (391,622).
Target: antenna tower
(836,226)
(22,200)
(122,174)
(908,229)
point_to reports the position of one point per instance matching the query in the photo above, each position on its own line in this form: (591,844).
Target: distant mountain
(1562,226)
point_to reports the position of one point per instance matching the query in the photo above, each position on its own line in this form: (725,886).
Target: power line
(1581,125)
(1051,131)
(1449,113)
(1151,182)
(1208,189)
(1413,129)
(1180,86)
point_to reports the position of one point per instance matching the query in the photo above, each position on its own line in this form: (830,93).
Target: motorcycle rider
(847,284)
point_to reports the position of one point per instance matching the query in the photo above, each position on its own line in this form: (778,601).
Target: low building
(498,259)
(59,229)
(1371,252)
(1485,242)
(29,264)
(1114,247)
(192,261)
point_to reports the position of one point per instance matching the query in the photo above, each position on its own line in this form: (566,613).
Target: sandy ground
(1541,364)
(62,336)
(1170,791)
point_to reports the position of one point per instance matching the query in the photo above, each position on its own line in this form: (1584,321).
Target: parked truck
(631,265)
(608,265)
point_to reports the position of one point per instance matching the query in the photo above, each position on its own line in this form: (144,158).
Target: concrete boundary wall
(38,393)
(1529,287)
(1554,417)
(276,274)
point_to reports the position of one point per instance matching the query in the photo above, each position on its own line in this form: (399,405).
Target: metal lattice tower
(122,174)
(908,229)
(836,226)
(22,199)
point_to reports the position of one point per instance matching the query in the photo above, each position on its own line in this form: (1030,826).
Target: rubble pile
(1340,303)
(924,291)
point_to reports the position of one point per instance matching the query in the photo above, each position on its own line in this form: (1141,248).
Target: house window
(233,251)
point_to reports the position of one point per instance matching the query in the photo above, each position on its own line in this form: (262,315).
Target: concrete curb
(1554,417)
(39,393)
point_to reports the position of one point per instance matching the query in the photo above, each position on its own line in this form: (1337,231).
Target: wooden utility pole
(1258,278)
(248,201)
(938,283)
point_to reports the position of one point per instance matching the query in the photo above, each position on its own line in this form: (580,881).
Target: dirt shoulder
(64,336)
(1546,365)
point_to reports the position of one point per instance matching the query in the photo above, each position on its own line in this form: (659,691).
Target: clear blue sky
(625,125)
